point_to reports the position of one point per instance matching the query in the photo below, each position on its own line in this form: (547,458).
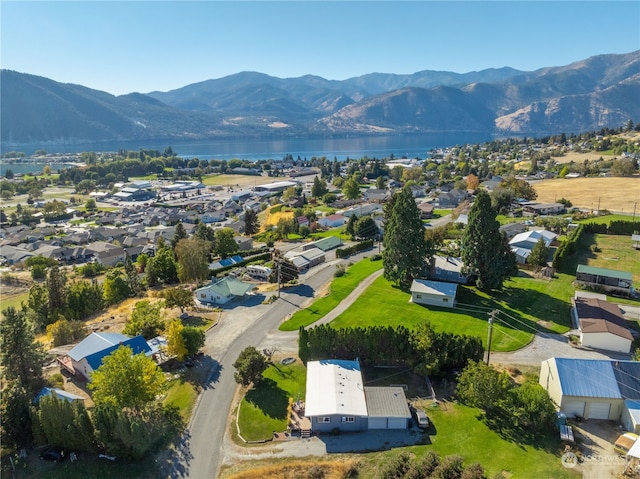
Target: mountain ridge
(600,91)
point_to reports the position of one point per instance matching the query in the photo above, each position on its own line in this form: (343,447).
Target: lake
(411,146)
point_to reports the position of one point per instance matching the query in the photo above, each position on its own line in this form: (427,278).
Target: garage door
(397,423)
(377,423)
(573,408)
(599,410)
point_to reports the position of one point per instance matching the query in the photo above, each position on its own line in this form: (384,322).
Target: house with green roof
(223,291)
(610,280)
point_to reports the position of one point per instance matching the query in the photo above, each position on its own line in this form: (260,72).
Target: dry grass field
(238,181)
(613,194)
(288,469)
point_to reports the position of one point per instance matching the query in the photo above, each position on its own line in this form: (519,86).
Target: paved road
(200,453)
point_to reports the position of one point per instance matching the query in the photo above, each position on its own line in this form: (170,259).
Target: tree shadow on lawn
(502,424)
(513,303)
(269,398)
(581,255)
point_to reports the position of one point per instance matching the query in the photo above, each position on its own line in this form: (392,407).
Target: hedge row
(615,227)
(568,247)
(356,248)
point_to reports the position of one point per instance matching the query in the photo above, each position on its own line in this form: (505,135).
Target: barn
(592,388)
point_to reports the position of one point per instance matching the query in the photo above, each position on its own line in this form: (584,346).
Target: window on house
(418,296)
(203,295)
(324,419)
(348,419)
(446,300)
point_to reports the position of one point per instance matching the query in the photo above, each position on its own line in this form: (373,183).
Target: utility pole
(634,211)
(492,315)
(278,274)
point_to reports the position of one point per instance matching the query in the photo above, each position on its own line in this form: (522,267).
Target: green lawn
(337,232)
(183,395)
(263,410)
(457,430)
(340,289)
(615,252)
(14,300)
(527,305)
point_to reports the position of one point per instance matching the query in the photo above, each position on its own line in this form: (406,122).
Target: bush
(340,270)
(356,248)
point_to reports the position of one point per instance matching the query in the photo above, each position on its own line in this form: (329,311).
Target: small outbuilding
(433,293)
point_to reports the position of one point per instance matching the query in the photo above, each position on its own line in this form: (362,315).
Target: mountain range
(601,91)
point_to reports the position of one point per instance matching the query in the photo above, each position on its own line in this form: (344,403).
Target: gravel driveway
(548,346)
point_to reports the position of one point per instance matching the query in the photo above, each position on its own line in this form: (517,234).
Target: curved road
(199,454)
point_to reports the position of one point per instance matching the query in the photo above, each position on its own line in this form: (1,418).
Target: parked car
(624,443)
(53,453)
(420,416)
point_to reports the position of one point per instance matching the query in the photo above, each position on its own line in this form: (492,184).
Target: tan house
(602,325)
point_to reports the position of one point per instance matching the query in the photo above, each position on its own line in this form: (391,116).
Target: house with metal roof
(591,388)
(611,280)
(86,356)
(433,293)
(602,325)
(336,398)
(223,291)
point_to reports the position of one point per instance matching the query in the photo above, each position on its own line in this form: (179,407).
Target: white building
(433,293)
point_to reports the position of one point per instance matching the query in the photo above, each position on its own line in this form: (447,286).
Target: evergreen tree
(351,189)
(21,356)
(406,251)
(351,226)
(366,228)
(485,252)
(179,234)
(56,286)
(16,420)
(135,285)
(319,188)
(251,223)
(539,255)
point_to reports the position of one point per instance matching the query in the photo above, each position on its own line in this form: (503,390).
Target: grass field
(457,430)
(613,194)
(183,395)
(263,410)
(238,181)
(527,305)
(340,289)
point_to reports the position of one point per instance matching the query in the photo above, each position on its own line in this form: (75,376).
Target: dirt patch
(606,193)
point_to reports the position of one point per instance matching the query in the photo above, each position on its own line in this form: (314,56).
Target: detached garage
(434,293)
(592,388)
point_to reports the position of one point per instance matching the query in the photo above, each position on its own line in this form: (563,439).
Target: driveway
(595,439)
(548,346)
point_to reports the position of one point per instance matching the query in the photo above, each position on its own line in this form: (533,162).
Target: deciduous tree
(175,341)
(145,320)
(127,380)
(178,297)
(225,244)
(250,365)
(193,260)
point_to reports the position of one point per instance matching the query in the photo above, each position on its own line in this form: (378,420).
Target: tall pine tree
(485,252)
(406,251)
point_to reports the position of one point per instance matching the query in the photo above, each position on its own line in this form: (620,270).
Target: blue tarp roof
(226,262)
(587,378)
(237,258)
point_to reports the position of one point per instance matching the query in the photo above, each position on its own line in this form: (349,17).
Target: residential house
(426,210)
(418,191)
(223,291)
(336,399)
(433,293)
(544,208)
(449,269)
(332,221)
(363,210)
(86,356)
(376,195)
(522,243)
(512,229)
(602,325)
(306,258)
(452,199)
(593,388)
(611,280)
(245,243)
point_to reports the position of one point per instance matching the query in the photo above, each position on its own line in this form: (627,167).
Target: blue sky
(126,46)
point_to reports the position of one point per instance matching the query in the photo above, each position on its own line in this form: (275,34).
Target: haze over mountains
(601,91)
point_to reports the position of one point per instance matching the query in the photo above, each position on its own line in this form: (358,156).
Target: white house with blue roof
(593,388)
(86,356)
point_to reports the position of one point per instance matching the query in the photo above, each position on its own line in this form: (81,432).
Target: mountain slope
(587,95)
